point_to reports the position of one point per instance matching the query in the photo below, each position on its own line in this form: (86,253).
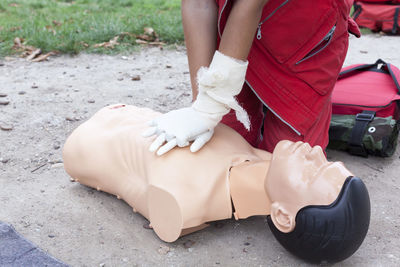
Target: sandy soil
(42,103)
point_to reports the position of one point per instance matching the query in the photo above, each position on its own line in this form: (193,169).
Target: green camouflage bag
(380,137)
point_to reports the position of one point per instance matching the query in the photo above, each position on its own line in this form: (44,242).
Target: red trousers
(274,129)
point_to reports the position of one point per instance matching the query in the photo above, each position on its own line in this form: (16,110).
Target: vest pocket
(293,28)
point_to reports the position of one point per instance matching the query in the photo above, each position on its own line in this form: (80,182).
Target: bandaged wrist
(222,81)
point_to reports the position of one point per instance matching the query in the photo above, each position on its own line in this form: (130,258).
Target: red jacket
(296,56)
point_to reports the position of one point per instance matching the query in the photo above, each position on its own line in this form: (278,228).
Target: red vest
(297,54)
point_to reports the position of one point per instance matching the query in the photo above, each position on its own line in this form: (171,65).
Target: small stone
(56,145)
(55,161)
(91,101)
(169,87)
(188,244)
(146,100)
(102,264)
(76,90)
(6,127)
(245,250)
(51,236)
(163,250)
(129,95)
(135,78)
(3,94)
(2,160)
(363,52)
(21,92)
(34,86)
(147,225)
(124,58)
(168,66)
(42,191)
(57,165)
(186,72)
(87,67)
(1,64)
(69,119)
(247,244)
(4,102)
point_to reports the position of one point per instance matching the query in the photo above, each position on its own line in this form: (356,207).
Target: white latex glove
(218,85)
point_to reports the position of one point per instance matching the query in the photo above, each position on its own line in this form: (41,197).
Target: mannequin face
(300,176)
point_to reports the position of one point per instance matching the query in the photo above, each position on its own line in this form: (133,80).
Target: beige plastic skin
(176,191)
(180,191)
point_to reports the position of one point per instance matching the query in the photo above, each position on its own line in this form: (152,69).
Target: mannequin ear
(282,219)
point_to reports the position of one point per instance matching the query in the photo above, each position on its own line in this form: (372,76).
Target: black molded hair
(330,233)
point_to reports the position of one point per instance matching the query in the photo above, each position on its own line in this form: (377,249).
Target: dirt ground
(42,103)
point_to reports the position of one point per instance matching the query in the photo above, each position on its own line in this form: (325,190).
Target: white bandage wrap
(221,82)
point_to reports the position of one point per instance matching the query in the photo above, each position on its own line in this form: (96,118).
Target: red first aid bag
(366,109)
(378,17)
(367,87)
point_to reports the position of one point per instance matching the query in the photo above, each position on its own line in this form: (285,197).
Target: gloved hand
(218,85)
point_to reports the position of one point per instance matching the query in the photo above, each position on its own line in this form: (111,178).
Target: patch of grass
(69,26)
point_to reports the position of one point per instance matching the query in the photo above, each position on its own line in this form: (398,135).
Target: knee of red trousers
(276,130)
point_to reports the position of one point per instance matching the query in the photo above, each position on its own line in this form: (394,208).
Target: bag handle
(385,67)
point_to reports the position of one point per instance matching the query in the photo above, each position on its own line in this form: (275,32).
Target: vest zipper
(327,39)
(270,109)
(259,36)
(219,19)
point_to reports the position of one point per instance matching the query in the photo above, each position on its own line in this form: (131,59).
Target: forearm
(241,27)
(199,19)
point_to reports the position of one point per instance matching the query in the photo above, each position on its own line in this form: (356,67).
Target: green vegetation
(71,26)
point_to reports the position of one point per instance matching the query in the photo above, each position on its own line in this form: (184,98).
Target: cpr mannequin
(181,191)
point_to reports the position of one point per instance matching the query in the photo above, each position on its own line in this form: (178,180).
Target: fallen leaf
(148,35)
(84,44)
(43,57)
(13,5)
(125,34)
(138,41)
(56,23)
(149,31)
(13,29)
(110,44)
(51,29)
(34,54)
(157,43)
(17,42)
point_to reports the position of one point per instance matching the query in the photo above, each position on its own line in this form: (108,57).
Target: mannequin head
(323,213)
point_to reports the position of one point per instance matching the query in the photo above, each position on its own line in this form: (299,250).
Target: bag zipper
(270,109)
(363,106)
(259,36)
(327,39)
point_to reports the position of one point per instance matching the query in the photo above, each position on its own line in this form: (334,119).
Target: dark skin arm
(199,20)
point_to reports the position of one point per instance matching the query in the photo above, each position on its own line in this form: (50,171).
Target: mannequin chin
(181,191)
